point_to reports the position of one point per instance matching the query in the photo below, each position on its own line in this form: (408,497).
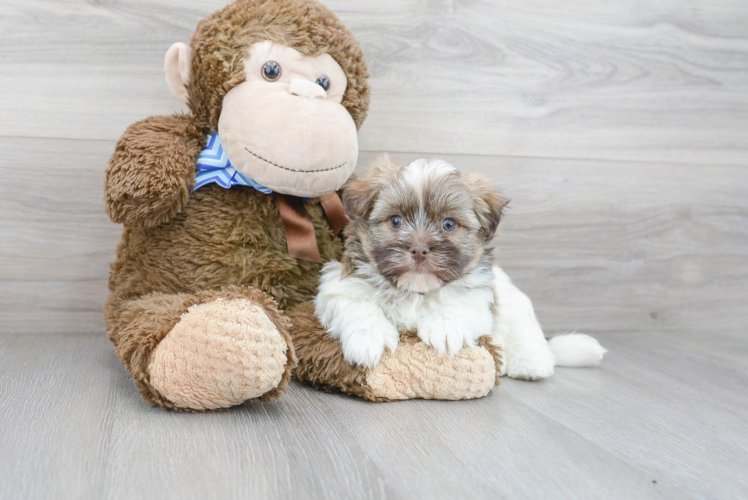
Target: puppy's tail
(576,349)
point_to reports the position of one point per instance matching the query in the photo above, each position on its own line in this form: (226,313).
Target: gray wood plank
(56,415)
(659,419)
(491,448)
(610,80)
(673,408)
(288,449)
(56,241)
(542,79)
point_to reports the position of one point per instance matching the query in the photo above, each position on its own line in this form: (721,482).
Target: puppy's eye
(449,225)
(396,221)
(323,82)
(271,71)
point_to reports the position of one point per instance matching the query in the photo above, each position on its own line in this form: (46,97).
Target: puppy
(416,259)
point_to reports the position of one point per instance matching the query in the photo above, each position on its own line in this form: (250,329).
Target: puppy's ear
(489,206)
(359,194)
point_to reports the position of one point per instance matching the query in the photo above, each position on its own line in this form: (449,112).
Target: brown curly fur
(179,248)
(223,39)
(152,170)
(221,237)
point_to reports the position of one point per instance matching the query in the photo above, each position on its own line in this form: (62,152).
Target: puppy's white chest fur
(470,295)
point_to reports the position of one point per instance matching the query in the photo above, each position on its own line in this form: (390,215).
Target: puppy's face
(420,226)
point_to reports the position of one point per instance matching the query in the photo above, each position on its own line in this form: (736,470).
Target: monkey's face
(285,126)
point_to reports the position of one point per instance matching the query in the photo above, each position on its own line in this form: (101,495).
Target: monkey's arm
(150,174)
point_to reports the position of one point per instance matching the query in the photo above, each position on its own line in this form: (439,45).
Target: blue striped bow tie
(214,166)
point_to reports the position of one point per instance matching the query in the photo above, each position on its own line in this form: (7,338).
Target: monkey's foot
(413,370)
(416,370)
(220,354)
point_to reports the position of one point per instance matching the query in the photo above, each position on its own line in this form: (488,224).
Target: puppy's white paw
(445,335)
(365,346)
(530,362)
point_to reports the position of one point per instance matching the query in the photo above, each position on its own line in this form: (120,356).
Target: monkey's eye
(271,71)
(323,82)
(396,221)
(449,225)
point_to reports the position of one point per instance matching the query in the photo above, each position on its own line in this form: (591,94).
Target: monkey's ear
(489,206)
(177,66)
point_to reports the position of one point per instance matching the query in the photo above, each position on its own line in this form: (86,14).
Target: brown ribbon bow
(300,236)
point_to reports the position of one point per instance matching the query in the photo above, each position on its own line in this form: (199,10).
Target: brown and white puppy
(421,226)
(416,259)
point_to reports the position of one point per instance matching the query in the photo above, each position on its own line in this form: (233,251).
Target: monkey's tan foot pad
(220,354)
(414,370)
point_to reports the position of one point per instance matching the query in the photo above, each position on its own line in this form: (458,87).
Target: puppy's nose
(419,252)
(306,88)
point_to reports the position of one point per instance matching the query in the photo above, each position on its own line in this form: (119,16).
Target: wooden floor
(659,419)
(619,130)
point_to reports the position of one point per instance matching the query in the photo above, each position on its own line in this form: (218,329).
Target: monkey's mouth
(293,169)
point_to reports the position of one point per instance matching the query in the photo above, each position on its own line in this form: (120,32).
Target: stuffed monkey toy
(230,210)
